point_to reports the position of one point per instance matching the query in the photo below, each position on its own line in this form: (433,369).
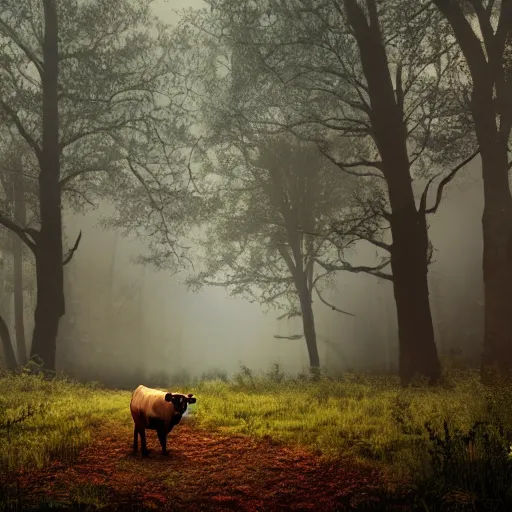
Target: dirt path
(204,471)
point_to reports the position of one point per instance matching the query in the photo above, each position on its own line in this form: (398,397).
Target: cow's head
(179,401)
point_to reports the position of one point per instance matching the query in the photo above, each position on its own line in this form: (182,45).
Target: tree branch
(374,271)
(334,308)
(21,129)
(292,337)
(27,51)
(71,176)
(72,251)
(423,202)
(465,35)
(18,230)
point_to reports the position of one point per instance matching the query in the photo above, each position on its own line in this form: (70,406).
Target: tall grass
(44,418)
(370,417)
(367,417)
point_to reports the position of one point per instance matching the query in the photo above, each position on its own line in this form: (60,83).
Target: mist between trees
(338,168)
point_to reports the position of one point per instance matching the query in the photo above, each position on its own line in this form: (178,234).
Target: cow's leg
(162,437)
(135,438)
(145,451)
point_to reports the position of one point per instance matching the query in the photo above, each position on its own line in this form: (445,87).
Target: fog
(127,321)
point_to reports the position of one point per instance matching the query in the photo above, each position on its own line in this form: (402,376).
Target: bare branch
(334,308)
(73,249)
(442,184)
(345,166)
(345,266)
(292,337)
(190,174)
(18,230)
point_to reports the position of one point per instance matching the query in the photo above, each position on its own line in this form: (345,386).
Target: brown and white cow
(156,410)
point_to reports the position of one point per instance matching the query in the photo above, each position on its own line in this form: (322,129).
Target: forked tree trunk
(49,268)
(17,254)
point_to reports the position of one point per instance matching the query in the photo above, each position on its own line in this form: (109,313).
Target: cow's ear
(168,397)
(190,395)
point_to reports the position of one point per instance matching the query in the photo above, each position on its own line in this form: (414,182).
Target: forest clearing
(256,442)
(315,186)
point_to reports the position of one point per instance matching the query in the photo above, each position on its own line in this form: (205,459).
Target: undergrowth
(449,442)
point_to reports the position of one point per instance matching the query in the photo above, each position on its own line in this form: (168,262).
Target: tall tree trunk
(17,254)
(49,268)
(5,337)
(308,323)
(409,252)
(496,227)
(144,349)
(497,260)
(492,115)
(417,349)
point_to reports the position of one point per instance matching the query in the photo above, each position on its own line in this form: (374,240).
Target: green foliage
(369,417)
(42,418)
(244,378)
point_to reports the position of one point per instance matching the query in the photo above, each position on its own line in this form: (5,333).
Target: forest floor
(254,443)
(204,471)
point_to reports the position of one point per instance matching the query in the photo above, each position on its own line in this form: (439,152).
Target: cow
(156,410)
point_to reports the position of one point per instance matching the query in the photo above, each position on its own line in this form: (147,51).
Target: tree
(371,80)
(19,201)
(18,195)
(488,99)
(273,195)
(5,338)
(20,216)
(90,88)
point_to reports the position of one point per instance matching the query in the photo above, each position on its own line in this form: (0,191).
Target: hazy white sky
(164,8)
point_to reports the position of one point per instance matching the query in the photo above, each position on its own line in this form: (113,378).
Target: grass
(370,418)
(42,419)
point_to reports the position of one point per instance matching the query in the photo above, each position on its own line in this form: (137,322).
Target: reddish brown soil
(205,471)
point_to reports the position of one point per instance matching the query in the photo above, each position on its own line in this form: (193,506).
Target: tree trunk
(491,111)
(496,230)
(497,260)
(417,349)
(409,263)
(5,337)
(17,254)
(49,268)
(308,323)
